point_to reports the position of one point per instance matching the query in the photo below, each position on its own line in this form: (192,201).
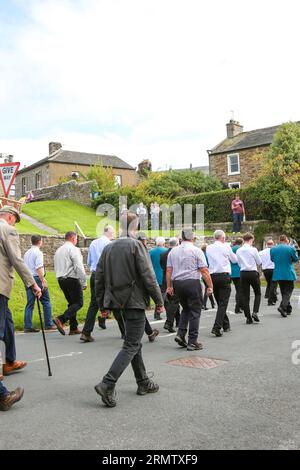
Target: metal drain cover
(198,362)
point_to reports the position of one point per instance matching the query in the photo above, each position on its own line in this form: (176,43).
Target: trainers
(181,341)
(11,398)
(86,338)
(194,346)
(153,335)
(107,393)
(147,387)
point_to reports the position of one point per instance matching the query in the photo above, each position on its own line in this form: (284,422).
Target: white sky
(141,79)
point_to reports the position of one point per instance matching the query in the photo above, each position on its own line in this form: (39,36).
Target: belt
(219,274)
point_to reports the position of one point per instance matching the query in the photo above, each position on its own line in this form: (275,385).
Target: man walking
(236,278)
(219,255)
(249,259)
(238,211)
(127,289)
(70,273)
(172,305)
(268,270)
(284,256)
(94,255)
(10,259)
(185,265)
(155,258)
(34,260)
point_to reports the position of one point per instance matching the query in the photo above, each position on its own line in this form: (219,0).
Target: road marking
(173,334)
(71,354)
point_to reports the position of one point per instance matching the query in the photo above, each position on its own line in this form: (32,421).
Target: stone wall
(79,192)
(250,165)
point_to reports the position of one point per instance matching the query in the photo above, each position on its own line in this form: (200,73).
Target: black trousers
(92,310)
(238,293)
(250,278)
(122,326)
(172,307)
(206,297)
(131,351)
(222,290)
(73,293)
(270,294)
(189,293)
(286,289)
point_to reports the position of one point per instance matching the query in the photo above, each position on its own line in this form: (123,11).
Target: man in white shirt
(142,214)
(268,269)
(34,260)
(219,255)
(248,260)
(70,273)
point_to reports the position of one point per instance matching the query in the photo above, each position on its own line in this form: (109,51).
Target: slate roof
(244,140)
(80,158)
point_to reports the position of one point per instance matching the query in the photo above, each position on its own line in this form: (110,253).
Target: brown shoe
(86,338)
(14,366)
(59,325)
(153,335)
(75,332)
(51,328)
(9,400)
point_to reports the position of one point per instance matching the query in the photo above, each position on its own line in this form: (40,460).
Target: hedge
(217,204)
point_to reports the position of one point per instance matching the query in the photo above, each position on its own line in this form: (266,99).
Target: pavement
(250,400)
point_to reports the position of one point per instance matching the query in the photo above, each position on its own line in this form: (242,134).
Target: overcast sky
(142,79)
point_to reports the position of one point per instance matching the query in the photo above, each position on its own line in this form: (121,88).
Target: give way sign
(8,172)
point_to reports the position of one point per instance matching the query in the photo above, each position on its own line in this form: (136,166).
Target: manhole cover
(198,362)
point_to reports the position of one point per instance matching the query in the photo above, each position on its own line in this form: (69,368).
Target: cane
(44,338)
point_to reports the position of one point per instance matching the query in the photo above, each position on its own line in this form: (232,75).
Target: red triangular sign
(8,173)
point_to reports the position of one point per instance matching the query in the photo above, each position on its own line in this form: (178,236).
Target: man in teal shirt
(155,258)
(236,278)
(284,255)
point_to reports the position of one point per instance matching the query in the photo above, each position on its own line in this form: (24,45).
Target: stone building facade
(62,164)
(237,160)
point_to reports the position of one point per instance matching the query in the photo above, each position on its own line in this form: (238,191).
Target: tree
(103,176)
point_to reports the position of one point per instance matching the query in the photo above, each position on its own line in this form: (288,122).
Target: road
(249,401)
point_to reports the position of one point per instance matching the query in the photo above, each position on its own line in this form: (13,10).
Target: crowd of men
(124,279)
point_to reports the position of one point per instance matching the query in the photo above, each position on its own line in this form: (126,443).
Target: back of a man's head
(160,241)
(70,236)
(188,235)
(238,241)
(173,242)
(128,223)
(219,235)
(283,239)
(109,231)
(36,239)
(248,237)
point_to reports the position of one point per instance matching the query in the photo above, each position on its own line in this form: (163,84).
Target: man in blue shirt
(155,258)
(94,255)
(283,255)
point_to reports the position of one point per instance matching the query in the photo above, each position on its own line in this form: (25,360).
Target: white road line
(71,354)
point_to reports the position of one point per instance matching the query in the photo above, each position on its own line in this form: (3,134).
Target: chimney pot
(54,146)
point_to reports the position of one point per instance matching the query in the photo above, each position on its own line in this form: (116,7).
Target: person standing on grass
(268,270)
(70,273)
(155,258)
(127,289)
(284,256)
(238,211)
(34,260)
(10,259)
(248,260)
(236,277)
(94,255)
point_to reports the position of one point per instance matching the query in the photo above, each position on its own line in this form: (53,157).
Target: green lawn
(18,301)
(26,227)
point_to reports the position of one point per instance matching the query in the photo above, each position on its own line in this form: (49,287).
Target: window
(24,186)
(234,185)
(37,180)
(233,162)
(118,180)
(12,191)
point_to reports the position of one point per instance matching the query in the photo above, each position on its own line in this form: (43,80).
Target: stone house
(237,160)
(62,163)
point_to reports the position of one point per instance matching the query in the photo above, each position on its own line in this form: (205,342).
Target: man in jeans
(34,260)
(238,211)
(219,255)
(70,273)
(124,282)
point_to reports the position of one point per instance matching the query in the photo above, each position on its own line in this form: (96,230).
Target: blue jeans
(7,330)
(237,222)
(3,390)
(45,301)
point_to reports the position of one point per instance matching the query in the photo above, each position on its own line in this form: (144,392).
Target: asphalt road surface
(250,400)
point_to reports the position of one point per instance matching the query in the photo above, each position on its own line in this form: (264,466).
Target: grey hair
(160,241)
(174,241)
(219,234)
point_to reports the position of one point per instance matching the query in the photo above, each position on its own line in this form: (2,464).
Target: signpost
(8,173)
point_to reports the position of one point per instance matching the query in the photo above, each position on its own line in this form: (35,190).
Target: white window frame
(118,180)
(24,183)
(229,164)
(230,185)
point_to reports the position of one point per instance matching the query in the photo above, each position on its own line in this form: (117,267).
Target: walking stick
(44,338)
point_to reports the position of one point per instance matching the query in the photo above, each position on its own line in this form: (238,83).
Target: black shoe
(153,335)
(249,321)
(147,387)
(101,323)
(226,330)
(283,313)
(218,333)
(238,310)
(31,330)
(181,341)
(255,317)
(107,393)
(157,316)
(194,346)
(170,329)
(86,338)
(271,304)
(289,309)
(205,308)
(213,306)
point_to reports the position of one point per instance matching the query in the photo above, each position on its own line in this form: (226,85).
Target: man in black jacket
(124,281)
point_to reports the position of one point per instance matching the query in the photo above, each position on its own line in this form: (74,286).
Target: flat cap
(11,210)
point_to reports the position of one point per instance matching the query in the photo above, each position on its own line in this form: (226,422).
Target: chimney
(9,159)
(54,146)
(233,128)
